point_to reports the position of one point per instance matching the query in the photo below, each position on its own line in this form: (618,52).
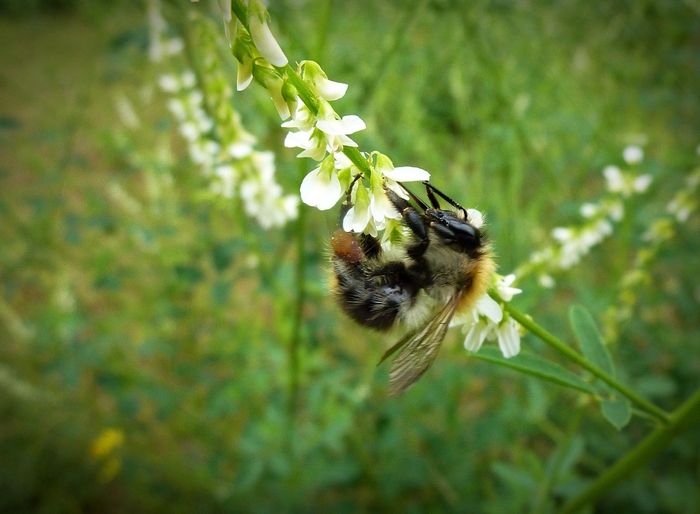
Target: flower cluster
(572,243)
(303,100)
(683,204)
(219,144)
(317,129)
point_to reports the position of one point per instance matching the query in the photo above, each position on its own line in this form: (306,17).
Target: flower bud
(242,49)
(318,81)
(262,36)
(271,80)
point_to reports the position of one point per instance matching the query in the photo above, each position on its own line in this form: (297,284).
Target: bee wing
(419,352)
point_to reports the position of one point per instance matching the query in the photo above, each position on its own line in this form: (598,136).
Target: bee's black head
(453,230)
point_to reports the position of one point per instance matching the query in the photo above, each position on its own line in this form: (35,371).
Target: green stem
(679,421)
(298,319)
(562,347)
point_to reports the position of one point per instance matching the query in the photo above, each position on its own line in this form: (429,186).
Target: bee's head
(454,229)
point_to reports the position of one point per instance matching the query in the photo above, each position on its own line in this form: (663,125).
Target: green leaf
(537,367)
(617,411)
(590,340)
(514,477)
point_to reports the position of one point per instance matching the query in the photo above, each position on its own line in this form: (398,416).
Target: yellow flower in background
(106,442)
(103,448)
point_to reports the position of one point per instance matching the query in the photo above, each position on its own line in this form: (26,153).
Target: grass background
(170,319)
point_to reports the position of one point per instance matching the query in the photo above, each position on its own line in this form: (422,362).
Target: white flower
(321,187)
(302,118)
(245,74)
(401,174)
(337,130)
(264,41)
(168,83)
(177,108)
(614,177)
(312,141)
(588,210)
(329,135)
(227,180)
(406,174)
(329,89)
(240,149)
(358,218)
(174,46)
(509,338)
(546,281)
(486,321)
(633,154)
(504,290)
(641,183)
(189,130)
(625,184)
(476,334)
(188,78)
(562,234)
(326,89)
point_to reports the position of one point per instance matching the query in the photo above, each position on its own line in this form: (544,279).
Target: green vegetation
(161,352)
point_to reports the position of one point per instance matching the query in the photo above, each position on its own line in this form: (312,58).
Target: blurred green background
(162,353)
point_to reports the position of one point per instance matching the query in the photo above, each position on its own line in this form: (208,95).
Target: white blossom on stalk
(262,195)
(624,183)
(487,320)
(402,174)
(359,217)
(327,89)
(372,208)
(264,41)
(504,289)
(324,132)
(633,154)
(321,187)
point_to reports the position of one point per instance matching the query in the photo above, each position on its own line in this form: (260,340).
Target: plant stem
(562,347)
(680,421)
(298,317)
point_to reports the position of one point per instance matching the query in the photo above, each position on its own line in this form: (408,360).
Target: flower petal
(487,306)
(264,41)
(329,89)
(320,189)
(407,174)
(509,338)
(475,337)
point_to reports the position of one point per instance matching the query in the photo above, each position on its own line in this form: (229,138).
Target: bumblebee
(441,268)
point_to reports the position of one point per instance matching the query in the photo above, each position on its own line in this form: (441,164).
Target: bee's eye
(465,234)
(457,231)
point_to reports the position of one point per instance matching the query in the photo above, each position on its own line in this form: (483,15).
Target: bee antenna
(431,188)
(420,202)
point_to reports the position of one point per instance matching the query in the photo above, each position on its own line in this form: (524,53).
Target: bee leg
(347,204)
(414,221)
